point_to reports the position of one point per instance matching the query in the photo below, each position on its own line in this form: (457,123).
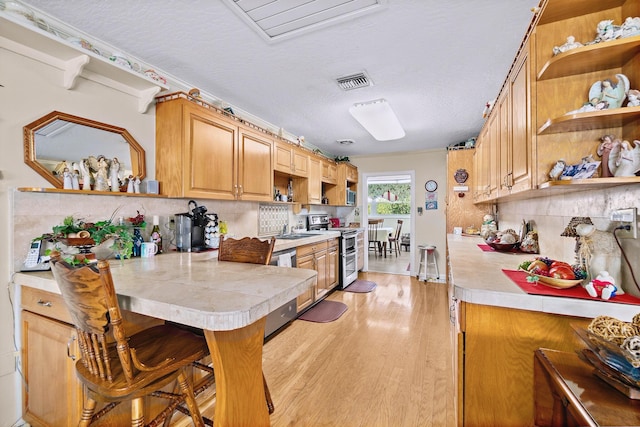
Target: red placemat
(520,278)
(487,248)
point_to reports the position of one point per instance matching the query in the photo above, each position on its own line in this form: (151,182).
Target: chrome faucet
(284,229)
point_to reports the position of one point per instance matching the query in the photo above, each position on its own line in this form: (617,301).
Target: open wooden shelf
(559,11)
(87,192)
(600,56)
(602,119)
(586,184)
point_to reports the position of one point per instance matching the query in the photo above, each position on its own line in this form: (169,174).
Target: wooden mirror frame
(137,153)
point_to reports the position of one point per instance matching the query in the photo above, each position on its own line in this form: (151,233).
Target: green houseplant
(86,235)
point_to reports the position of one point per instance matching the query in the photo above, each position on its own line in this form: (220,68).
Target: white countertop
(283,244)
(196,289)
(477,278)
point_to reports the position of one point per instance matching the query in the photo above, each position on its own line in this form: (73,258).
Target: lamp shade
(378,119)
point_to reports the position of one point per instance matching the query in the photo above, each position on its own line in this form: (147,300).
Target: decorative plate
(461,176)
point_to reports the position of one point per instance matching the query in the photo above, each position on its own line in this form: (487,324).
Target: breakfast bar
(228,300)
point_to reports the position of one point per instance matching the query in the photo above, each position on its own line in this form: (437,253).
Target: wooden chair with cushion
(121,368)
(394,241)
(374,243)
(253,251)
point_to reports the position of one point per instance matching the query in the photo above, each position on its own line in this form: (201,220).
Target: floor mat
(361,286)
(324,311)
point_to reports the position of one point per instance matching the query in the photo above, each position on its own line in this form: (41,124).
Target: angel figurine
(625,160)
(102,171)
(609,142)
(114,170)
(612,93)
(85,174)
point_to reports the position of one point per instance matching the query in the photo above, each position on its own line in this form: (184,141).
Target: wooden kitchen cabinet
(203,153)
(290,159)
(315,181)
(322,257)
(495,348)
(329,171)
(52,396)
(347,178)
(541,88)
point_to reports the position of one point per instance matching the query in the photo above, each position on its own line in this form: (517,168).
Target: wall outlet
(626,217)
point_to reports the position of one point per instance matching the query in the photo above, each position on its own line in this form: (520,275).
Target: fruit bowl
(552,282)
(503,247)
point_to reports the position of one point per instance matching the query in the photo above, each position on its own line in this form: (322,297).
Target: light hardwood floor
(386,362)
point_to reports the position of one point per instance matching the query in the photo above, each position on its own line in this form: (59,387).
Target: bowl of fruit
(503,241)
(554,273)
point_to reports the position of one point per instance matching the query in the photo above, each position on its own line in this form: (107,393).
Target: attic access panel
(280,19)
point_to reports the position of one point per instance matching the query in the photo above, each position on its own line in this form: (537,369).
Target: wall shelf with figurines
(601,119)
(87,192)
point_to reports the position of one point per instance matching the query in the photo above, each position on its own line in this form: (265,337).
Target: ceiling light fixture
(378,119)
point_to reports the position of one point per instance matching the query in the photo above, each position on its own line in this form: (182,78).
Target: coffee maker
(190,228)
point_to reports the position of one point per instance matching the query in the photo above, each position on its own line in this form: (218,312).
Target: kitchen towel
(520,278)
(284,260)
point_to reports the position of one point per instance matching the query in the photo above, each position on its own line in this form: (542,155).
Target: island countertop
(477,278)
(196,289)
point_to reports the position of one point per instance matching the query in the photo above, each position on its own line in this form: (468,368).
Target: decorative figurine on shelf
(66,179)
(75,180)
(630,27)
(114,170)
(60,167)
(606,94)
(85,172)
(607,31)
(102,174)
(130,184)
(633,98)
(557,169)
(570,44)
(609,142)
(136,184)
(625,160)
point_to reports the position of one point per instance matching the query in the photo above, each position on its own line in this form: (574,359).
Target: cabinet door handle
(69,343)
(44,303)
(240,190)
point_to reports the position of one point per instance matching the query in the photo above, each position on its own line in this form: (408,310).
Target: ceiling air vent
(354,81)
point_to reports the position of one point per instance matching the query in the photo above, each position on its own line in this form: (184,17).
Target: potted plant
(86,236)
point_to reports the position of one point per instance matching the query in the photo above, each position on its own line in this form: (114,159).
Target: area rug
(324,311)
(360,286)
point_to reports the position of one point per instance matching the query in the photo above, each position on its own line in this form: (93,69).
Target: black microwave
(351,197)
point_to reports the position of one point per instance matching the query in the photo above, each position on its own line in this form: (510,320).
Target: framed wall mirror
(59,138)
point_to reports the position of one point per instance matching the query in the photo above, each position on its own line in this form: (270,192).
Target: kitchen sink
(294,236)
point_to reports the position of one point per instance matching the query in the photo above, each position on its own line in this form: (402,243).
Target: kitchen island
(497,327)
(229,301)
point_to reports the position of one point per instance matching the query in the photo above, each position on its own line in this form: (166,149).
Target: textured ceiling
(436,62)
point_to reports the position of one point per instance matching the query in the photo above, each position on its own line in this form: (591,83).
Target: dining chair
(115,367)
(374,224)
(394,241)
(253,251)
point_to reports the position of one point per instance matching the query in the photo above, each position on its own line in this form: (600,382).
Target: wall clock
(431,186)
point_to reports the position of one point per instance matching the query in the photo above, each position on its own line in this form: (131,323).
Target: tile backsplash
(33,214)
(552,213)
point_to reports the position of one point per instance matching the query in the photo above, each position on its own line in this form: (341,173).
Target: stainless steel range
(348,248)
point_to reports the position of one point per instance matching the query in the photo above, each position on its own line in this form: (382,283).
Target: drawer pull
(69,343)
(44,303)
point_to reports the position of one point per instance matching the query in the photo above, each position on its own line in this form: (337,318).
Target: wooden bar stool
(133,367)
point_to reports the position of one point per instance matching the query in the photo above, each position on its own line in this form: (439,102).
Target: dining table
(229,301)
(382,236)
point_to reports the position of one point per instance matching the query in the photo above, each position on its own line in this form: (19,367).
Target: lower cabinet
(52,396)
(323,258)
(495,360)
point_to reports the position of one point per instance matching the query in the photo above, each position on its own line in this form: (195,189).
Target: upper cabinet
(203,152)
(41,39)
(534,111)
(290,159)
